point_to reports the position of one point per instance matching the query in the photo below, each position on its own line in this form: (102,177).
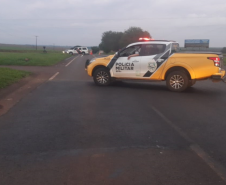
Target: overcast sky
(82,22)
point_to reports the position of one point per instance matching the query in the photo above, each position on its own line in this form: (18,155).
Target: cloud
(62,20)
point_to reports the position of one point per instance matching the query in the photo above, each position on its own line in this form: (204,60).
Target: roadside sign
(201,43)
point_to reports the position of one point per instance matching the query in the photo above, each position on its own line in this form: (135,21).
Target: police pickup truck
(157,60)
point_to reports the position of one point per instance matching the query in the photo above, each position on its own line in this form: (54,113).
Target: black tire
(71,53)
(102,77)
(191,83)
(177,81)
(83,53)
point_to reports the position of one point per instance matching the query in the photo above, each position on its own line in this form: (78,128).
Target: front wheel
(177,81)
(191,83)
(102,77)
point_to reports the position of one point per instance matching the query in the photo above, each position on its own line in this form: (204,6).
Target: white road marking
(54,76)
(173,126)
(70,62)
(217,167)
(214,165)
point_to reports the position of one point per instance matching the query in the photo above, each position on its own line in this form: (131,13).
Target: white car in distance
(72,51)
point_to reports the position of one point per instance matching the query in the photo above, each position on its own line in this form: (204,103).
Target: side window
(130,51)
(84,48)
(175,48)
(152,49)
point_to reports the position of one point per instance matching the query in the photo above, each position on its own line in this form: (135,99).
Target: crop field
(8,47)
(31,58)
(29,48)
(27,55)
(9,76)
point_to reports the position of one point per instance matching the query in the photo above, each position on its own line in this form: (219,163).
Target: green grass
(9,76)
(31,58)
(29,48)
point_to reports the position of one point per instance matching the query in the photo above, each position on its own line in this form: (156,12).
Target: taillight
(216,61)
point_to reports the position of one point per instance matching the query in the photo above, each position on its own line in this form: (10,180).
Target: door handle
(135,61)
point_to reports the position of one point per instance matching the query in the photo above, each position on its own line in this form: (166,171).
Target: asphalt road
(71,132)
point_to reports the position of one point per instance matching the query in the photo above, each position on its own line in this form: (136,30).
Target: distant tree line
(113,41)
(95,49)
(224,50)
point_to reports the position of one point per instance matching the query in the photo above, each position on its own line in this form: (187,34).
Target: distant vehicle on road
(157,60)
(72,51)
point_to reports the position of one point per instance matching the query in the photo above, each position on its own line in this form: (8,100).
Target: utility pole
(36,42)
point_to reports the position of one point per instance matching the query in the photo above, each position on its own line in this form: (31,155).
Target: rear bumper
(219,76)
(216,77)
(224,73)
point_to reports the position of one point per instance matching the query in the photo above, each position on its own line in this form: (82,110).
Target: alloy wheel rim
(176,81)
(102,77)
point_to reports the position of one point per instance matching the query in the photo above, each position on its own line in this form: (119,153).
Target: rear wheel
(177,81)
(102,77)
(71,53)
